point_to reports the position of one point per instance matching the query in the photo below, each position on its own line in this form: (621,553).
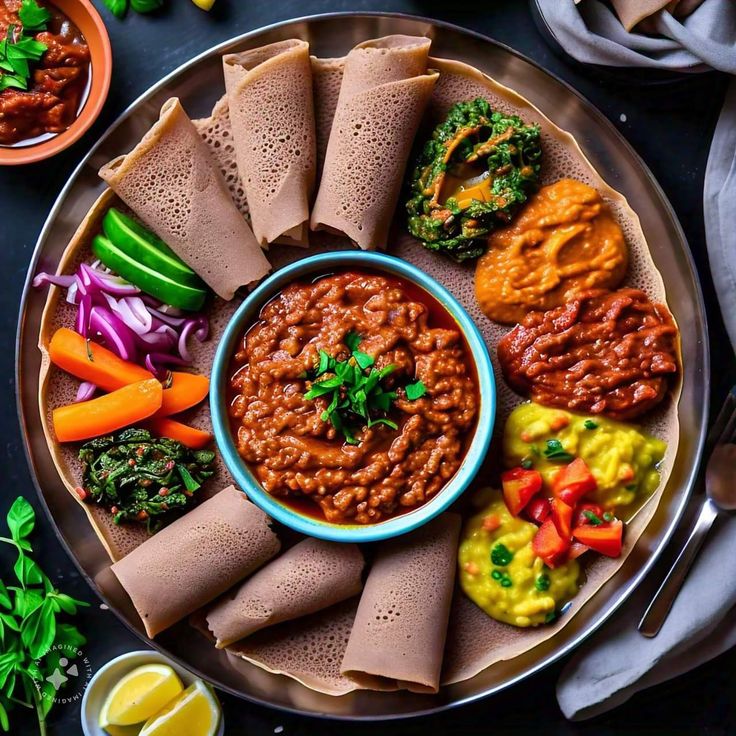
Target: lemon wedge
(204,4)
(139,695)
(195,712)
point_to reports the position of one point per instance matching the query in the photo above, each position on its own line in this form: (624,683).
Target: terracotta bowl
(83,14)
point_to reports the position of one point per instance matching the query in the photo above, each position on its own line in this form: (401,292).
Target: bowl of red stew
(55,67)
(352,397)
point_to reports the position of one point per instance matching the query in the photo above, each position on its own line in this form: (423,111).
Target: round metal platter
(198,84)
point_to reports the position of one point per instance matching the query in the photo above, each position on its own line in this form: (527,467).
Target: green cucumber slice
(146,279)
(147,248)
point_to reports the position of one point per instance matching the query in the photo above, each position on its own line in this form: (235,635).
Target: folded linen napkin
(618,661)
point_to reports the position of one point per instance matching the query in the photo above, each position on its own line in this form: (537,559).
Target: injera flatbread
(58,388)
(326,82)
(217,133)
(272,117)
(171,181)
(384,92)
(312,575)
(401,624)
(196,558)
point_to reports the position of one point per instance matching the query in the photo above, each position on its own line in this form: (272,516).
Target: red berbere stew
(379,345)
(57,82)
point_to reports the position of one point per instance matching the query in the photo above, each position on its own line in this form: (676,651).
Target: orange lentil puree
(564,241)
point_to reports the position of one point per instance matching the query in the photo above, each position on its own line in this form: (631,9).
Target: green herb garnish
(120,7)
(501,555)
(502,578)
(33,16)
(355,391)
(141,478)
(550,617)
(34,640)
(542,582)
(17,49)
(496,574)
(590,424)
(592,517)
(608,516)
(557,453)
(527,463)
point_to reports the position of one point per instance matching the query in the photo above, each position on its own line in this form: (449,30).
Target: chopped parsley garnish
(592,517)
(542,582)
(590,424)
(527,463)
(501,555)
(354,388)
(557,453)
(17,49)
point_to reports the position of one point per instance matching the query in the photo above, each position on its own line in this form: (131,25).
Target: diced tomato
(537,510)
(519,485)
(573,482)
(562,517)
(549,546)
(606,538)
(582,519)
(577,549)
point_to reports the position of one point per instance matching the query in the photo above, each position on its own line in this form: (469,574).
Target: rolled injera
(196,558)
(311,576)
(398,637)
(171,181)
(385,90)
(326,83)
(272,117)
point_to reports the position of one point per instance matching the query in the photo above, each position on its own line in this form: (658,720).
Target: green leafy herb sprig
(556,453)
(142,478)
(355,391)
(18,50)
(32,638)
(120,7)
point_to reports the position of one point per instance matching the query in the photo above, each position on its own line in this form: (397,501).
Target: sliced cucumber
(147,279)
(147,248)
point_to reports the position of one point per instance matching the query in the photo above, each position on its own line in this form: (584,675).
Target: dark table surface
(669,125)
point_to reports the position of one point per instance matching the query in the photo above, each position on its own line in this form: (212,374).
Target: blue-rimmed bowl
(247,315)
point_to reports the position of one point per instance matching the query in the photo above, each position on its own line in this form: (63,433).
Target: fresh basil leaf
(363,359)
(415,391)
(146,6)
(69,636)
(26,601)
(48,694)
(33,16)
(21,517)
(27,571)
(10,622)
(324,362)
(4,721)
(26,48)
(38,631)
(5,601)
(383,420)
(117,7)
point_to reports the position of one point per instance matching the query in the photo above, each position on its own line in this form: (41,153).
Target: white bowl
(110,674)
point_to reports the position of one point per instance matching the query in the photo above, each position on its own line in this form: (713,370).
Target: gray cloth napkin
(618,661)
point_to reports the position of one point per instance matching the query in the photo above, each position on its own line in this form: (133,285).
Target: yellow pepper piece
(204,4)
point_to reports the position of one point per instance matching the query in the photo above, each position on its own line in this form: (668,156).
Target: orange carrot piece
(192,437)
(186,390)
(108,413)
(71,352)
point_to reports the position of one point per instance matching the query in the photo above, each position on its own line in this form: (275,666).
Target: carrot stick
(189,436)
(187,389)
(92,362)
(108,413)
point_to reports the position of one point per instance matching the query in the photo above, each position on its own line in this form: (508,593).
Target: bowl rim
(100,63)
(394,526)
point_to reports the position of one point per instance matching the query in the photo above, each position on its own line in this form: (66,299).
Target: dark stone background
(669,125)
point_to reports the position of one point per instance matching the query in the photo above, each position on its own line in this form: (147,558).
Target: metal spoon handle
(661,604)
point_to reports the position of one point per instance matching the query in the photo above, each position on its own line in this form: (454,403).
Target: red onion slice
(44,279)
(86,391)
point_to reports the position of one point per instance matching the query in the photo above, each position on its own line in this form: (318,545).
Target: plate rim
(689,479)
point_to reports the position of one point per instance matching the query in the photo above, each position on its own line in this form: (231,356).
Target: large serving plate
(198,84)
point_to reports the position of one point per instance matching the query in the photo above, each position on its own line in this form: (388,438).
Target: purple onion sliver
(118,338)
(155,362)
(86,391)
(83,314)
(43,279)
